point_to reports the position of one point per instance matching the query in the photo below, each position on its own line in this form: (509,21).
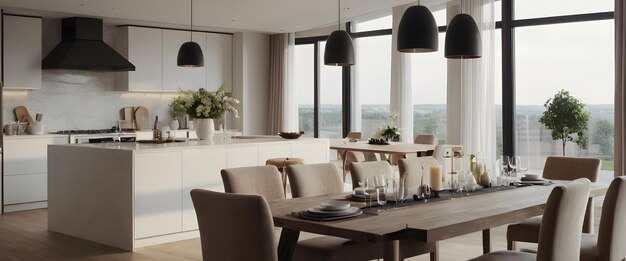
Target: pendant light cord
(191,23)
(339,14)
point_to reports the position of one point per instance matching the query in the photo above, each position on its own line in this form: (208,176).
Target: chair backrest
(314,180)
(612,232)
(412,169)
(354,135)
(261,180)
(425,139)
(559,233)
(364,170)
(571,168)
(234,227)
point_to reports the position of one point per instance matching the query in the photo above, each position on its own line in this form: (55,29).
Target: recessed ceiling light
(82,4)
(232,20)
(114,9)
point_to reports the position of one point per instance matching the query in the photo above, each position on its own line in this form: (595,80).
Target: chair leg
(510,245)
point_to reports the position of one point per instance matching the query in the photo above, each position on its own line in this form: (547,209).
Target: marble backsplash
(76,99)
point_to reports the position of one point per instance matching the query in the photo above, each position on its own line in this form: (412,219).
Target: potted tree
(567,119)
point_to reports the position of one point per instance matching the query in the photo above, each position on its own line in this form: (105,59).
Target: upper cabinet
(154,53)
(218,61)
(143,48)
(185,78)
(22,52)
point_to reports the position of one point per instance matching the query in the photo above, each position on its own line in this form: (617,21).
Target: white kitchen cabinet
(158,201)
(242,157)
(218,61)
(143,47)
(175,77)
(22,52)
(273,151)
(201,169)
(25,170)
(313,153)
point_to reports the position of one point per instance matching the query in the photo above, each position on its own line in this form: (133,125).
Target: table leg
(287,244)
(391,252)
(486,241)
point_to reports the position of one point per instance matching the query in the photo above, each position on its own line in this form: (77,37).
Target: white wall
(251,81)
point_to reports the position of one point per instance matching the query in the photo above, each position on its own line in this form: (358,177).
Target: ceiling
(225,15)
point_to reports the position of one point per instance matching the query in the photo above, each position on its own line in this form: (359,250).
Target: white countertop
(28,136)
(235,142)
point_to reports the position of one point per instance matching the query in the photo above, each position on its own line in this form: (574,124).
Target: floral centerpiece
(204,106)
(390,132)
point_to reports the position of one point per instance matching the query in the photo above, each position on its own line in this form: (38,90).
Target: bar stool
(281,164)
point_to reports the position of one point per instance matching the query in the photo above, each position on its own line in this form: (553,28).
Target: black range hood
(82,48)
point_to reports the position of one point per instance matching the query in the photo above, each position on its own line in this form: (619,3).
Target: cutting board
(22,115)
(127,113)
(141,117)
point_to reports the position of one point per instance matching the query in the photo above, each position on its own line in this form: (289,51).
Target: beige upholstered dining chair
(411,168)
(320,179)
(559,168)
(230,222)
(559,236)
(427,139)
(314,179)
(610,244)
(262,180)
(364,170)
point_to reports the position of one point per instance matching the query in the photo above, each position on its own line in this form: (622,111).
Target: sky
(576,56)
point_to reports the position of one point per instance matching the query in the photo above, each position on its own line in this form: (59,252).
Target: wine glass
(504,172)
(381,183)
(513,162)
(369,189)
(401,191)
(523,164)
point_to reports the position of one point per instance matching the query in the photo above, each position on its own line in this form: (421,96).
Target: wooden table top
(432,221)
(392,148)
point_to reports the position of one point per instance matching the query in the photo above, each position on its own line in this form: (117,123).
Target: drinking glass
(504,165)
(462,181)
(369,189)
(401,191)
(501,172)
(513,161)
(523,164)
(381,183)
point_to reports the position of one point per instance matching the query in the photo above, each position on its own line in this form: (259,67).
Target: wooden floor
(24,236)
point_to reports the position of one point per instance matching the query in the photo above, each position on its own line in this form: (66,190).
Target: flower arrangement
(390,131)
(203,104)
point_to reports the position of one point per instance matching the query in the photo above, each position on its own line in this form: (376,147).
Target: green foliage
(603,136)
(203,104)
(567,119)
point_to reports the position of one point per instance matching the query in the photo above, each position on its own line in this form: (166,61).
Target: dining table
(430,221)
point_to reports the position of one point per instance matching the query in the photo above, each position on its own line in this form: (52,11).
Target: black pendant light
(339,50)
(417,31)
(190,53)
(463,39)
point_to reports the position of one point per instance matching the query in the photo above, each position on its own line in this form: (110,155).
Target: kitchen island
(130,195)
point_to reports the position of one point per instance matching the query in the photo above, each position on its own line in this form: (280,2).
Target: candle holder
(454,179)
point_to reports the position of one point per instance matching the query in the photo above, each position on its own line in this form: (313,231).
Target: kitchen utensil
(141,117)
(37,129)
(38,117)
(22,115)
(21,127)
(10,129)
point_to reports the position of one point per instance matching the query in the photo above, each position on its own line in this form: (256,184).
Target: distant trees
(603,136)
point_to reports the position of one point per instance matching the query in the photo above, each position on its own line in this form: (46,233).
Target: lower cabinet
(157,193)
(25,188)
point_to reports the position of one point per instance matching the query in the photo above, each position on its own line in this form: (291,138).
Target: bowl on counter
(35,129)
(290,135)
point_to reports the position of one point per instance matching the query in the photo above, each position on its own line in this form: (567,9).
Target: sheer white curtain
(471,86)
(401,90)
(290,108)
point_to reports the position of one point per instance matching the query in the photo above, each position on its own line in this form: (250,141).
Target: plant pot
(205,129)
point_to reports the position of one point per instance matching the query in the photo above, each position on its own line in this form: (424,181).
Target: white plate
(531,177)
(334,205)
(534,182)
(318,211)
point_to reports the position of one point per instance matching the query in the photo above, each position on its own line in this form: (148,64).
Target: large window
(429,80)
(553,57)
(372,81)
(525,9)
(304,80)
(330,98)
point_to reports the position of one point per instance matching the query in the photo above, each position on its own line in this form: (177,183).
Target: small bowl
(35,129)
(334,205)
(290,135)
(531,176)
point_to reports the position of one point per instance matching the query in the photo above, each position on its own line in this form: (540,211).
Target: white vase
(174,124)
(205,129)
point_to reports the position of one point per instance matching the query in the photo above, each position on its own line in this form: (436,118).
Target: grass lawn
(607,165)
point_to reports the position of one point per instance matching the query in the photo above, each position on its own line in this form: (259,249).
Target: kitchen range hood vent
(82,48)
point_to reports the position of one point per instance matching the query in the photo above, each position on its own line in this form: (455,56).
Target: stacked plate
(534,179)
(331,210)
